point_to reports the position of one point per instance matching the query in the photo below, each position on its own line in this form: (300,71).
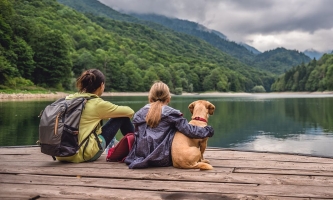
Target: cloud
(294,40)
(293,24)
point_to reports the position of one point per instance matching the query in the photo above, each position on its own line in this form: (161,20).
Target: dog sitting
(188,153)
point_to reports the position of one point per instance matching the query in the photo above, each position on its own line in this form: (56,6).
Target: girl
(155,126)
(91,84)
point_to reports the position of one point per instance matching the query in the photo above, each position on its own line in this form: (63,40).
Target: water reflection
(319,145)
(294,124)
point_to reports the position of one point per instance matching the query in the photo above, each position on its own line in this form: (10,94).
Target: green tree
(312,82)
(53,64)
(235,84)
(82,60)
(202,74)
(6,70)
(163,74)
(149,78)
(177,77)
(5,33)
(24,62)
(329,77)
(134,79)
(216,81)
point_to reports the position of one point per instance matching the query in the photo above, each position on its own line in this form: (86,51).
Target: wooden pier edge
(26,173)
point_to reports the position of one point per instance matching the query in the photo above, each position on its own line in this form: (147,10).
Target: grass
(28,90)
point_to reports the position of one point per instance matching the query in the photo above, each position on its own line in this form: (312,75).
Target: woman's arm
(110,110)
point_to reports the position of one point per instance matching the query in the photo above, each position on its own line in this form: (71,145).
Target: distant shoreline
(57,95)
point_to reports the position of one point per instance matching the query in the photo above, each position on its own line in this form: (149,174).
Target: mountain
(98,9)
(277,61)
(280,60)
(314,54)
(250,48)
(184,29)
(213,37)
(221,35)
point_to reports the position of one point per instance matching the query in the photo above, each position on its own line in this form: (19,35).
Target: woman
(91,84)
(155,126)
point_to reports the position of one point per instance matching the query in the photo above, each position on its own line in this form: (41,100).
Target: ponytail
(159,95)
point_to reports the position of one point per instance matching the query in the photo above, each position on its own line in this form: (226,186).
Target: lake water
(300,124)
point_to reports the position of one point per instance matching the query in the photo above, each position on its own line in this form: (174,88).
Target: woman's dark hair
(90,80)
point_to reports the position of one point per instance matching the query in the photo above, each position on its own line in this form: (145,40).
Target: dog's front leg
(203,145)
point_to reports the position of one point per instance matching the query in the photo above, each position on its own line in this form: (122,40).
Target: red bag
(119,152)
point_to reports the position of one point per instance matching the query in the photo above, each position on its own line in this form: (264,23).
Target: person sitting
(155,126)
(91,84)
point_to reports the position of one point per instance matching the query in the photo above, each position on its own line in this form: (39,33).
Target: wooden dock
(25,173)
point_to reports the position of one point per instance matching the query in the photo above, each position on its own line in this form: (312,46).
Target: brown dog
(187,153)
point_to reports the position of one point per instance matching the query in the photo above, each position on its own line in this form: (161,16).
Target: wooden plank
(11,191)
(148,173)
(284,171)
(175,186)
(19,150)
(215,154)
(245,155)
(262,167)
(72,192)
(96,165)
(273,164)
(183,175)
(216,163)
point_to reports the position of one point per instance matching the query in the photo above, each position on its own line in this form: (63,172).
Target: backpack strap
(86,140)
(98,142)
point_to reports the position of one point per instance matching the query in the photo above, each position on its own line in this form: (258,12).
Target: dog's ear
(211,109)
(191,107)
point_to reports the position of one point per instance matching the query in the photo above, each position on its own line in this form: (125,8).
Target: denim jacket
(152,146)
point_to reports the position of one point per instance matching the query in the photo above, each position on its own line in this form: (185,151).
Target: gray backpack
(59,127)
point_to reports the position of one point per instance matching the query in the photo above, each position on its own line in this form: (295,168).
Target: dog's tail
(203,166)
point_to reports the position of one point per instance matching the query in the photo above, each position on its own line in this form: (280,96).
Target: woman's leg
(110,129)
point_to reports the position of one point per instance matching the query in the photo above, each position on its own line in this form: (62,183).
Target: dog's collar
(200,119)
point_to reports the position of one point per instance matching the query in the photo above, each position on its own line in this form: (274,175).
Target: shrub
(178,91)
(18,82)
(258,89)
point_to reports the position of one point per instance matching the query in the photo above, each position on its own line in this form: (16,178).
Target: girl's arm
(192,131)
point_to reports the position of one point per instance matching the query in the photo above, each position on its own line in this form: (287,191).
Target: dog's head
(204,105)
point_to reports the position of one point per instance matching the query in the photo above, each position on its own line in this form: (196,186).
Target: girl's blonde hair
(159,95)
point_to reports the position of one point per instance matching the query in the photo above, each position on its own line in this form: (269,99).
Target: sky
(262,24)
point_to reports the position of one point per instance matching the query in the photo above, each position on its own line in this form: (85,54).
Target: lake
(301,124)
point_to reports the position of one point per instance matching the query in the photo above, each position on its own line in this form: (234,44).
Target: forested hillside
(314,76)
(279,60)
(276,61)
(195,29)
(48,44)
(189,28)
